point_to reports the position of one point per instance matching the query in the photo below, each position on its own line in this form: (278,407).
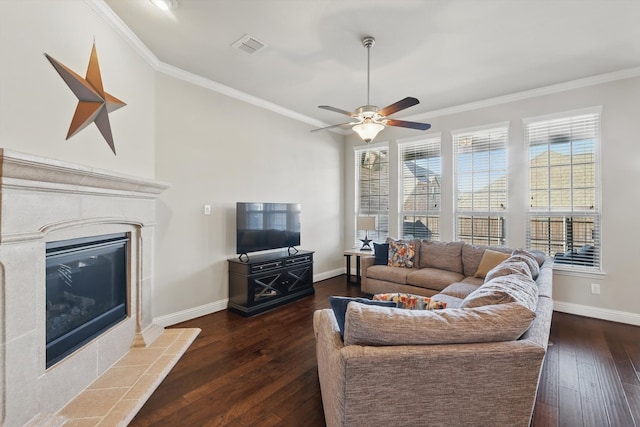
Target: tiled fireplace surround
(45,200)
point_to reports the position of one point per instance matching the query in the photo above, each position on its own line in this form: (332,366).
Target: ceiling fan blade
(400,105)
(406,124)
(334,126)
(337,110)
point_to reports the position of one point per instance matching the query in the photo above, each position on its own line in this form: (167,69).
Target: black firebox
(86,290)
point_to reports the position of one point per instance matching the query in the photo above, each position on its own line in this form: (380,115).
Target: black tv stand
(266,281)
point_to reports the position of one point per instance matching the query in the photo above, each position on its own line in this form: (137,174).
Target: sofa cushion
(381,253)
(473,281)
(529,258)
(371,325)
(516,288)
(472,254)
(339,307)
(459,289)
(389,274)
(401,254)
(410,301)
(489,260)
(442,255)
(510,266)
(450,300)
(432,278)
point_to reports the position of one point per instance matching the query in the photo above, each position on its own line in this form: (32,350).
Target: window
(372,181)
(564,213)
(481,185)
(420,174)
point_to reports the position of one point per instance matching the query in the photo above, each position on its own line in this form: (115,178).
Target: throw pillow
(339,307)
(381,252)
(489,260)
(411,302)
(401,254)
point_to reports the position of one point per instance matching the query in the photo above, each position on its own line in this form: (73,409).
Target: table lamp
(366,223)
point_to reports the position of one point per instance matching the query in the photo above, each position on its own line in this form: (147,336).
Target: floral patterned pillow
(411,302)
(401,254)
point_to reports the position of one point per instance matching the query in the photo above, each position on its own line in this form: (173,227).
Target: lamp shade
(366,223)
(368,129)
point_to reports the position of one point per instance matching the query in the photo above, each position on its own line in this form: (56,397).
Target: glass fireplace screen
(86,291)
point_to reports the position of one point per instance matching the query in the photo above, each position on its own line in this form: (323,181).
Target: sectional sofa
(476,362)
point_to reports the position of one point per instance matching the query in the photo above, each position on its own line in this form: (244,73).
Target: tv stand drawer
(267,266)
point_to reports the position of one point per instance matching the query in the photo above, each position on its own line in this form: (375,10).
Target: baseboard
(327,275)
(597,313)
(192,313)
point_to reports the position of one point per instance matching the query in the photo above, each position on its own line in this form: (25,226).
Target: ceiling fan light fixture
(368,130)
(165,4)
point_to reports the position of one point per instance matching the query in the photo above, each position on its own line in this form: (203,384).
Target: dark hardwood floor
(261,371)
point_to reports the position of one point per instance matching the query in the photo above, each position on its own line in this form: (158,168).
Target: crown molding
(110,17)
(532,93)
(197,80)
(104,11)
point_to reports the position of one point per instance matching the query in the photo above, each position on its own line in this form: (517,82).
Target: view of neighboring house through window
(372,198)
(481,184)
(564,214)
(420,175)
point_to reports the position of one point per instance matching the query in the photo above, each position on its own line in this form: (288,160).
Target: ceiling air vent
(248,44)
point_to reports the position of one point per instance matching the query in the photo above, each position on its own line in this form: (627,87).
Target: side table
(357,253)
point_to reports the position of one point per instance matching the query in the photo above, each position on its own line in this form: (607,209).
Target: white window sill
(578,272)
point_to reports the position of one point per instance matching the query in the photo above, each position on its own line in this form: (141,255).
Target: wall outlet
(207,209)
(595,288)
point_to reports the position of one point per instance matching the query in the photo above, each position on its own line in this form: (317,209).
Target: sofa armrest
(330,366)
(451,384)
(365,263)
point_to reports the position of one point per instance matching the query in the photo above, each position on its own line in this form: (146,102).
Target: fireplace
(86,291)
(53,207)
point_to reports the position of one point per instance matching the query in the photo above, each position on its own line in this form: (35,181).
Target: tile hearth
(117,395)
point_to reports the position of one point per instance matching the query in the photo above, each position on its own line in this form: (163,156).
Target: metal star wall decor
(94,104)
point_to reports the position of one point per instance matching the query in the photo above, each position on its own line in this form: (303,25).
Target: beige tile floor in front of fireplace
(117,395)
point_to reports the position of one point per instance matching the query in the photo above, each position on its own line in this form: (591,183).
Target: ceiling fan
(369,120)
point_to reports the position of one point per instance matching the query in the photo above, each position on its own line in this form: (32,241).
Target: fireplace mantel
(44,200)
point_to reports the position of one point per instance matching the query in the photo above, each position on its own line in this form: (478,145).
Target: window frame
(581,260)
(491,217)
(381,215)
(430,215)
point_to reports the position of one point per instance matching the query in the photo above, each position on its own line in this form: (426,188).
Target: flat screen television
(264,226)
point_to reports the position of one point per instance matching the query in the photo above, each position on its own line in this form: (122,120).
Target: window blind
(481,185)
(564,211)
(372,191)
(420,190)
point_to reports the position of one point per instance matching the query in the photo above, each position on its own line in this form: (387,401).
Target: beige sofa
(436,265)
(475,363)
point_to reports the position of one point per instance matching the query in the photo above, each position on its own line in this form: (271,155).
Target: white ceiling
(444,52)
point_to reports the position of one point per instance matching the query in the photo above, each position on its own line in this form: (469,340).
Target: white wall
(620,173)
(36,106)
(216,150)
